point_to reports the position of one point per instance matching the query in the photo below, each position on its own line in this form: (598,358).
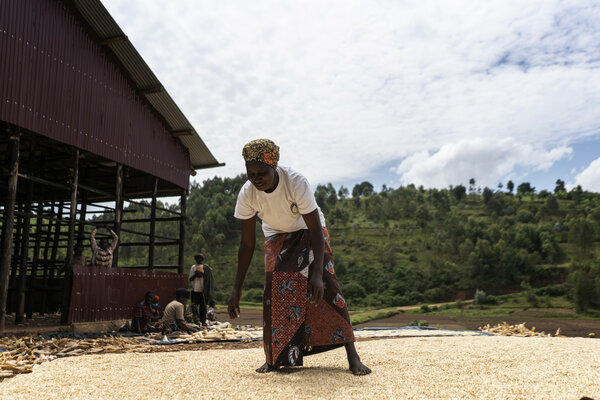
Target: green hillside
(411,245)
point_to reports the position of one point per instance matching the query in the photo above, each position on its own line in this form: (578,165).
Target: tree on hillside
(510,186)
(365,188)
(343,193)
(576,194)
(560,187)
(487,195)
(525,189)
(582,234)
(472,186)
(459,192)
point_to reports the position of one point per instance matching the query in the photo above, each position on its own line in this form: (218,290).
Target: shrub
(425,308)
(354,291)
(418,322)
(552,291)
(480,297)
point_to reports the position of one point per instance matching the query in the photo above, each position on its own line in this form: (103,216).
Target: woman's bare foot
(356,366)
(265,368)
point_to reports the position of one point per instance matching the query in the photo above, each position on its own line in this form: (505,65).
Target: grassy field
(510,305)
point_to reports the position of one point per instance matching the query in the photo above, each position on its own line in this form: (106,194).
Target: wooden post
(152,225)
(8,223)
(16,256)
(36,256)
(57,225)
(48,273)
(182,204)
(82,216)
(68,282)
(118,211)
(22,282)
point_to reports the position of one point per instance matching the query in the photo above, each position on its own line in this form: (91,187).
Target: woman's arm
(315,274)
(113,246)
(93,239)
(245,253)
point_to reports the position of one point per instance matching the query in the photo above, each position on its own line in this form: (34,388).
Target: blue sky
(394,92)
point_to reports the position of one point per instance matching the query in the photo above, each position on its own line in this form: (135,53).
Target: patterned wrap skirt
(293,326)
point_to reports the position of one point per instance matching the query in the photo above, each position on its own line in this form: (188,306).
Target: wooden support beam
(182,205)
(8,222)
(118,211)
(22,282)
(68,282)
(36,257)
(48,274)
(82,215)
(152,225)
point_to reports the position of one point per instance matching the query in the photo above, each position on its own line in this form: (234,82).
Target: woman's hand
(233,306)
(315,285)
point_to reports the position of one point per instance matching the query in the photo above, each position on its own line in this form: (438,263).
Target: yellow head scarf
(262,150)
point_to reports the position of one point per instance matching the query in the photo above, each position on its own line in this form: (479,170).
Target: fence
(104,294)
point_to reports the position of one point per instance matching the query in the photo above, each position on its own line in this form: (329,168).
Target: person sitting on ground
(102,255)
(203,288)
(145,313)
(174,315)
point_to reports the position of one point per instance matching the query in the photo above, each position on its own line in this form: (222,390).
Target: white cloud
(347,87)
(487,160)
(589,178)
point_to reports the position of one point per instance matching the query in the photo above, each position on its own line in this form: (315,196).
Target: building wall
(56,80)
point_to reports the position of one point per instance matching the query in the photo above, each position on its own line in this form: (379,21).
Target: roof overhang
(146,83)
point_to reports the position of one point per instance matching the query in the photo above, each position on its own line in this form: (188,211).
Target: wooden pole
(8,223)
(16,256)
(68,282)
(118,211)
(182,204)
(82,216)
(36,256)
(48,273)
(152,225)
(22,282)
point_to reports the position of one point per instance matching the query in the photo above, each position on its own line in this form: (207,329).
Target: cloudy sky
(394,92)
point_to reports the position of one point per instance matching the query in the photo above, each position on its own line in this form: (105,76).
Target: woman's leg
(356,366)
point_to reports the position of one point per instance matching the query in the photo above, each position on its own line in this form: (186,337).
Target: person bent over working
(304,311)
(174,315)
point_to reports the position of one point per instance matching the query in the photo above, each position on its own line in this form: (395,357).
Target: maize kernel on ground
(491,367)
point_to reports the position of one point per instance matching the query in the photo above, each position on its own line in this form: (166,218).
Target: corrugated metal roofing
(102,23)
(56,80)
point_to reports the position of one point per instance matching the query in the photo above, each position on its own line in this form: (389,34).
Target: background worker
(174,315)
(145,313)
(203,288)
(102,255)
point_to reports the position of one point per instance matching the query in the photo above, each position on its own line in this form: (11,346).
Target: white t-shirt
(281,210)
(197,282)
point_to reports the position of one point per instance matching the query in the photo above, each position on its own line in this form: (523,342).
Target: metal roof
(147,84)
